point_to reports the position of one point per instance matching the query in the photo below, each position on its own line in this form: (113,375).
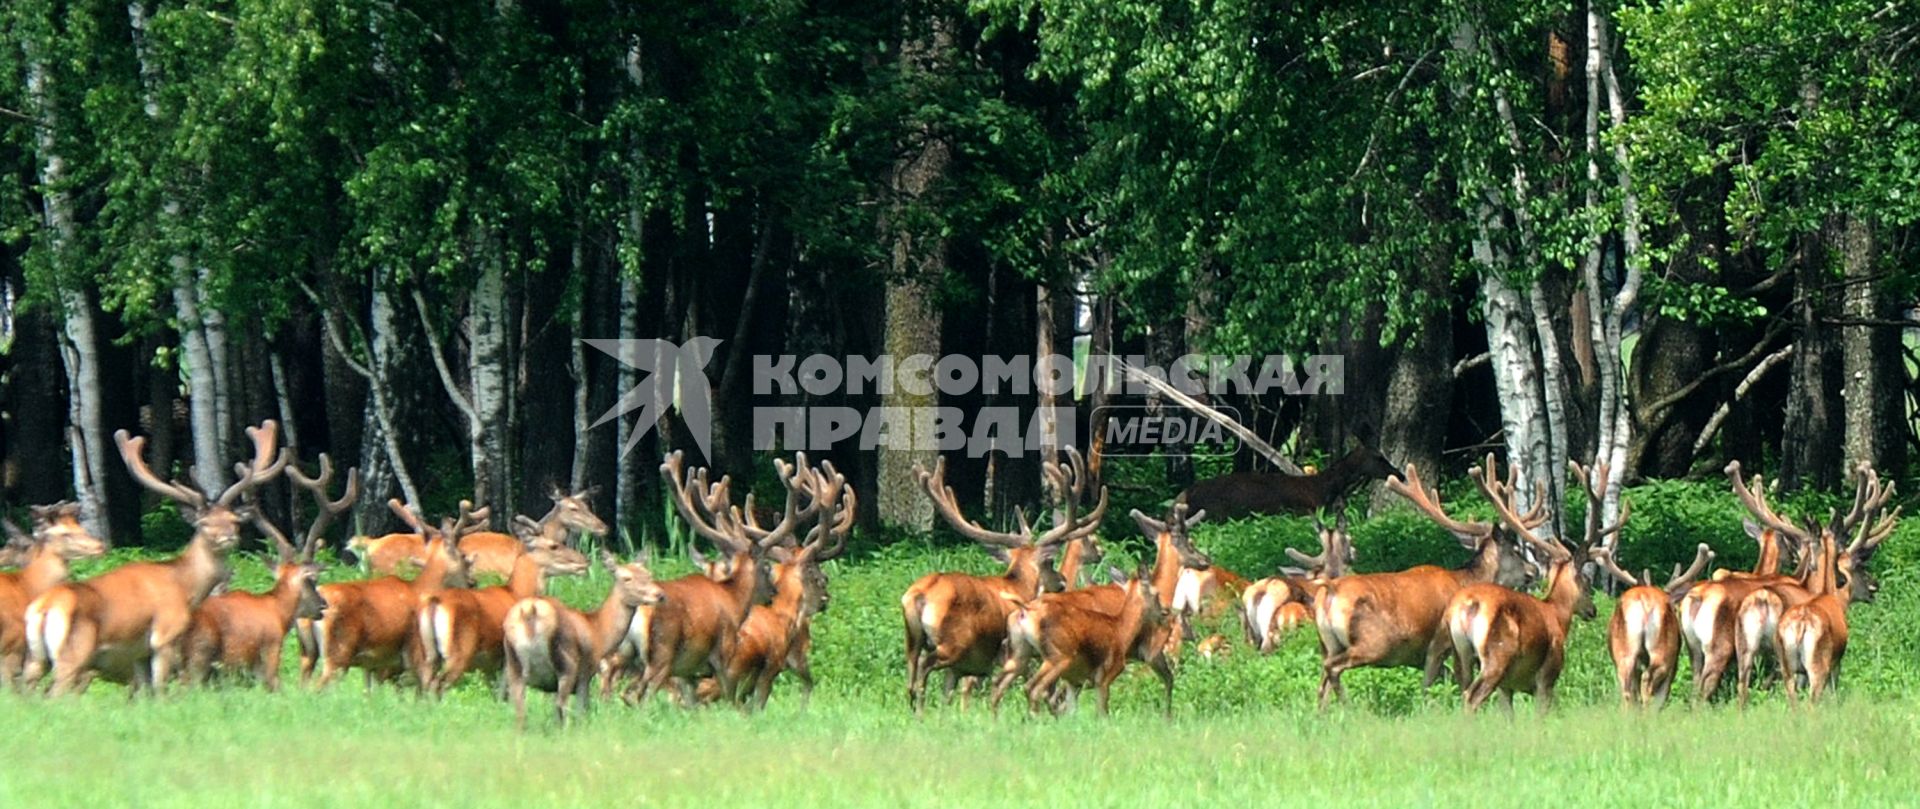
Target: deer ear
(1753,529)
(999,553)
(1116,576)
(693,552)
(607,559)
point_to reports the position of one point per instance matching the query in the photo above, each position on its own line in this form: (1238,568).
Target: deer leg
(1041,682)
(70,660)
(517,690)
(270,667)
(1711,671)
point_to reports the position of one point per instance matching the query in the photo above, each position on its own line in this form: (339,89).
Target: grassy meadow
(1245,732)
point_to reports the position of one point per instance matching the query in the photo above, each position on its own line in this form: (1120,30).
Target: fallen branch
(1739,391)
(1239,430)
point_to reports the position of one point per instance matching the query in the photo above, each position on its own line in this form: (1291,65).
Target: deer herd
(1051,620)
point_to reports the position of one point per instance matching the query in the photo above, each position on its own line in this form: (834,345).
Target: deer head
(216,523)
(1510,567)
(1028,552)
(57,529)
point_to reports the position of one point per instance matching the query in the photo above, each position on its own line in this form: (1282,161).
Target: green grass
(1246,733)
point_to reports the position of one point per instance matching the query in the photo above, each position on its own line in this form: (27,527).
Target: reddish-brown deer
(1505,641)
(240,631)
(58,539)
(1081,646)
(371,624)
(1812,637)
(1393,619)
(1274,607)
(691,633)
(492,553)
(1239,494)
(459,630)
(1644,633)
(956,622)
(126,624)
(554,648)
(777,637)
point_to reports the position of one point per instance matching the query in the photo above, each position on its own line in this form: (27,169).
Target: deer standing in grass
(1156,648)
(240,631)
(127,624)
(1812,637)
(371,624)
(691,633)
(459,630)
(1644,633)
(1081,645)
(777,637)
(1507,641)
(491,553)
(551,647)
(1274,607)
(1239,494)
(1392,619)
(956,622)
(58,540)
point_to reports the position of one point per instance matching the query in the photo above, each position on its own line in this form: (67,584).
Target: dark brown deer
(1238,494)
(240,631)
(691,633)
(552,647)
(1505,641)
(957,622)
(58,539)
(1393,619)
(127,624)
(371,624)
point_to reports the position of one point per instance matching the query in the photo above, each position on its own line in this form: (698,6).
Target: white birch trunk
(487,328)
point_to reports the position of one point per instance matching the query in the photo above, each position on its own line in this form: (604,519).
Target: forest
(1659,235)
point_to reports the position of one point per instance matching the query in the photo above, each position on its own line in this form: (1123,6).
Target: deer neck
(1166,565)
(610,623)
(1485,564)
(1341,476)
(198,568)
(285,592)
(744,579)
(45,571)
(1070,561)
(1769,562)
(1023,577)
(1563,593)
(788,590)
(434,576)
(527,579)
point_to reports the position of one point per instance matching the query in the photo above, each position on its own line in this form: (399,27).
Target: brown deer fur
(57,540)
(555,648)
(127,624)
(1239,494)
(1643,636)
(460,630)
(1079,645)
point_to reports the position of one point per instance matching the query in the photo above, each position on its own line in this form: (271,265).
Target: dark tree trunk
(1812,447)
(1419,390)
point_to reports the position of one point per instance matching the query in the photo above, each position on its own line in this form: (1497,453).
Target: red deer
(555,648)
(691,633)
(459,630)
(491,553)
(390,554)
(57,540)
(777,637)
(1812,638)
(1507,641)
(1710,620)
(956,622)
(1644,633)
(370,624)
(1175,561)
(1175,554)
(1274,607)
(248,631)
(1079,645)
(1393,619)
(127,624)
(1238,494)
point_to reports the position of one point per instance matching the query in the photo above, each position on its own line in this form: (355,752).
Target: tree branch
(460,400)
(1739,392)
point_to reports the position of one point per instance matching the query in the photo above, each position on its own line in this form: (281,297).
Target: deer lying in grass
(1274,607)
(1644,633)
(491,553)
(459,630)
(691,633)
(1507,641)
(555,648)
(956,622)
(1175,554)
(1812,637)
(1393,619)
(371,624)
(127,624)
(58,539)
(777,637)
(241,631)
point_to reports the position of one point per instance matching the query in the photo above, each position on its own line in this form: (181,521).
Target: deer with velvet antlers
(240,631)
(957,622)
(127,624)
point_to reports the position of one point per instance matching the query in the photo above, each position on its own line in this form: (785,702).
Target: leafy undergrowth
(1246,731)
